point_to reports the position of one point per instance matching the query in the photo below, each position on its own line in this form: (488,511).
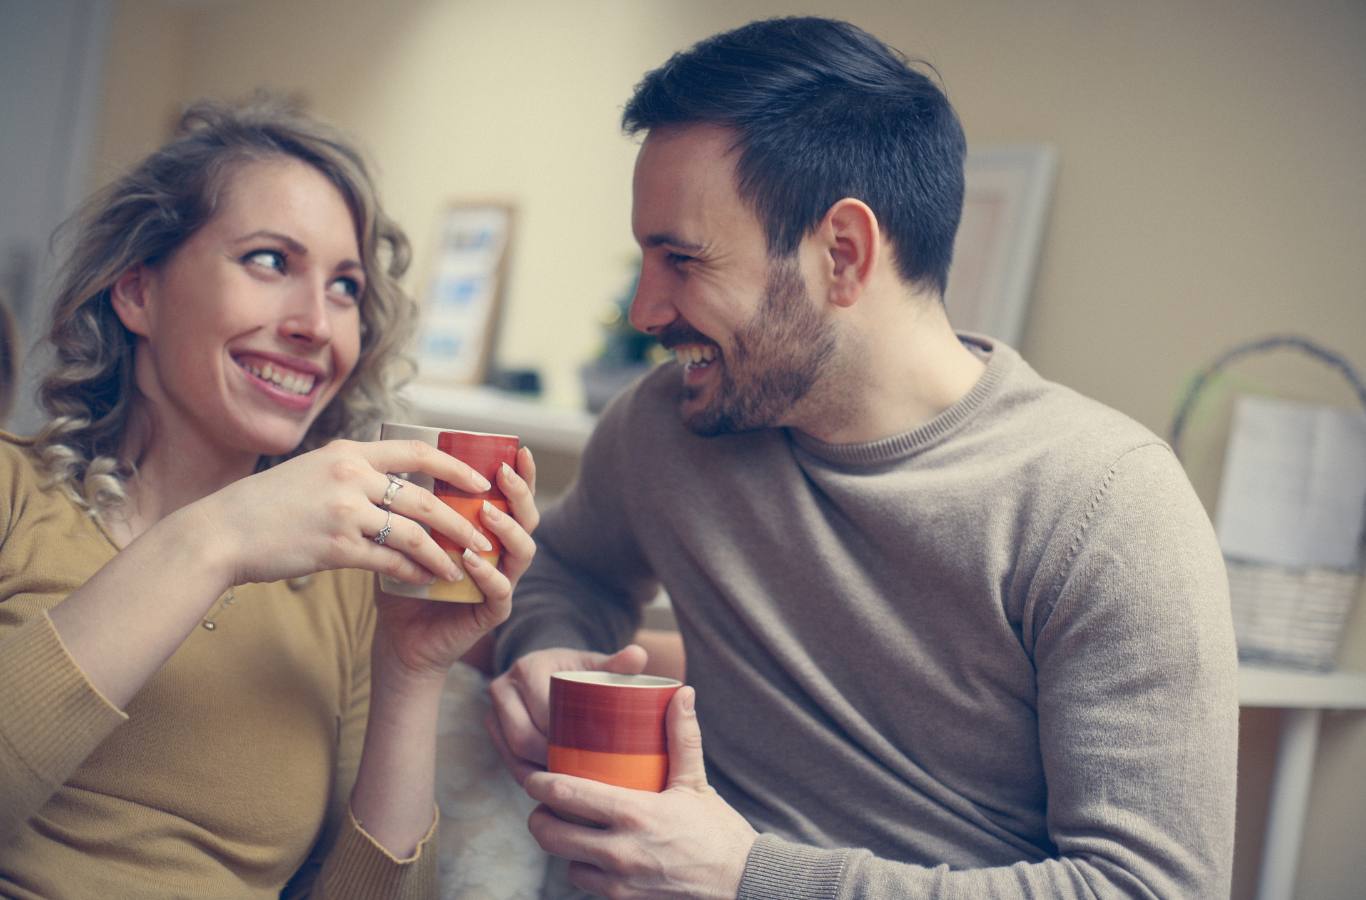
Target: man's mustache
(674,335)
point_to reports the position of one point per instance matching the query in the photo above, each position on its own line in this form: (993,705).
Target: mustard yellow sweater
(228,774)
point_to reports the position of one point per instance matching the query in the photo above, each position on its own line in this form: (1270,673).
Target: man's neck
(897,372)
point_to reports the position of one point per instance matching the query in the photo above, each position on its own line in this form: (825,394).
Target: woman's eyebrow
(293,246)
(290,243)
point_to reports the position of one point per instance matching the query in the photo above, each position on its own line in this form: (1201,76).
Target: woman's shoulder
(27,497)
(19,465)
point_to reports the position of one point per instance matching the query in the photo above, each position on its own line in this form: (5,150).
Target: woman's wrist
(391,677)
(205,533)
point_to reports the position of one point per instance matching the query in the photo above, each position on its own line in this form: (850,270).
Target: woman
(188,655)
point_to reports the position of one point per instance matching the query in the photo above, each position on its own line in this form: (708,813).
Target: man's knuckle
(560,792)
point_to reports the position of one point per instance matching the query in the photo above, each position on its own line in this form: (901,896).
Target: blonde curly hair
(143,218)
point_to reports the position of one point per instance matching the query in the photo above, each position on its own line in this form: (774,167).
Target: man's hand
(684,842)
(520,716)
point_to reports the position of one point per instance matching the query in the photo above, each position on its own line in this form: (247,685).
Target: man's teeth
(694,354)
(294,382)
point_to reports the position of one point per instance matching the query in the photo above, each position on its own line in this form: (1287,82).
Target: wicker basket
(1282,616)
(1292,617)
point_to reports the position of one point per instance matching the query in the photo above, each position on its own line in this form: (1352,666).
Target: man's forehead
(700,142)
(684,174)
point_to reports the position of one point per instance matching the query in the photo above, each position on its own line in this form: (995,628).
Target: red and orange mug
(486,454)
(610,727)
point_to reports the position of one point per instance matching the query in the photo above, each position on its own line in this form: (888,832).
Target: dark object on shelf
(603,381)
(518,381)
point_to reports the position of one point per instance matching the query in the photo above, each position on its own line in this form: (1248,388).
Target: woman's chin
(277,442)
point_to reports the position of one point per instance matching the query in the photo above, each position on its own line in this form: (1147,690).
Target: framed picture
(464,293)
(1005,207)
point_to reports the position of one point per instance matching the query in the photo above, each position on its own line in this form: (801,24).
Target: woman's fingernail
(471,558)
(491,510)
(482,482)
(482,542)
(454,573)
(507,470)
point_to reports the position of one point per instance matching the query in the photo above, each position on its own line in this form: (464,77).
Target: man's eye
(347,287)
(678,259)
(266,259)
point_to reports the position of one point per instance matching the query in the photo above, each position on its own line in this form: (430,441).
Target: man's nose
(652,308)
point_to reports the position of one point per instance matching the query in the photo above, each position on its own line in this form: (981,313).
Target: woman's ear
(129,297)
(853,240)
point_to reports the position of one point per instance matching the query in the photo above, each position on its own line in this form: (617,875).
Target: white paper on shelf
(1294,485)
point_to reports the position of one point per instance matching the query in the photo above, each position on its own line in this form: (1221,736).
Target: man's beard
(774,361)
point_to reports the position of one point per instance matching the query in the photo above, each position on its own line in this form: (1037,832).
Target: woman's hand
(416,643)
(424,638)
(321,511)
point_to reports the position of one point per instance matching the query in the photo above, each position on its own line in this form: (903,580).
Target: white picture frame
(1007,193)
(464,293)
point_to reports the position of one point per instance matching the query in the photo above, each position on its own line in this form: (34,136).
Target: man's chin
(706,420)
(698,416)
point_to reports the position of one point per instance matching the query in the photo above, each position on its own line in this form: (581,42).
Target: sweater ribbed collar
(1000,360)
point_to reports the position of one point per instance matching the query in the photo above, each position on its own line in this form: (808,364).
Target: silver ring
(383,534)
(395,484)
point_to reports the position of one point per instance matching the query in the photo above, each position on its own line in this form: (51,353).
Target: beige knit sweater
(229,772)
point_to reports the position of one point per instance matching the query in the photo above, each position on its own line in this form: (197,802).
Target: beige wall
(1211,187)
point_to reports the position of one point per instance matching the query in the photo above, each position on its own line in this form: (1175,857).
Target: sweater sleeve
(51,716)
(1137,708)
(589,579)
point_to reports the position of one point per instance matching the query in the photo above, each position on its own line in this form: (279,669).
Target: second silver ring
(383,534)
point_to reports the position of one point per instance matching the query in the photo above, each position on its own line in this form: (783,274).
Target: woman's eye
(266,259)
(346,287)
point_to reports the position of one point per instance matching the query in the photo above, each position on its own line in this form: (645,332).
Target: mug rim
(416,427)
(615,679)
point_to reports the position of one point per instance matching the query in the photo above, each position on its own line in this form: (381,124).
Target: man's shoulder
(1064,427)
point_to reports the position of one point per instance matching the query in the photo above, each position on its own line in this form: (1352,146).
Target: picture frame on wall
(1007,193)
(464,295)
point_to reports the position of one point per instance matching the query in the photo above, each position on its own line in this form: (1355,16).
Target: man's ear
(129,296)
(850,234)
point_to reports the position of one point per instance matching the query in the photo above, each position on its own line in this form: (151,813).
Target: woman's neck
(172,471)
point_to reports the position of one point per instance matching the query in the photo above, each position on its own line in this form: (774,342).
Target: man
(953,630)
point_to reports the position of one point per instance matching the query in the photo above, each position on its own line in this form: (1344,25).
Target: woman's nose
(307,321)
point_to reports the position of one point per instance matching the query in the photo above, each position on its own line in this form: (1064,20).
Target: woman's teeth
(294,382)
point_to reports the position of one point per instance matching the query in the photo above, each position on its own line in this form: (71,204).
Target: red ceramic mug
(486,454)
(610,727)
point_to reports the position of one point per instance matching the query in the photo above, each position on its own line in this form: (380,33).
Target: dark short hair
(822,110)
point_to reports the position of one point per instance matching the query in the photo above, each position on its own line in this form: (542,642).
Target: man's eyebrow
(662,239)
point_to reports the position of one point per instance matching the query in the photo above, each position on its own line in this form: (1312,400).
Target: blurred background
(1210,188)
